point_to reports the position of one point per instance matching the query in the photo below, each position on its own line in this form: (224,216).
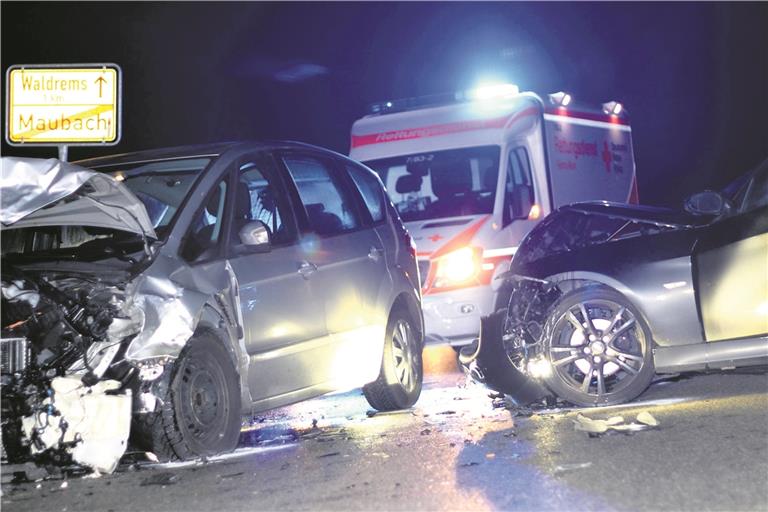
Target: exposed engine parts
(59,319)
(52,327)
(525,319)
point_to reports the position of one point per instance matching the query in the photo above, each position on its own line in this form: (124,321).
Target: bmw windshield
(441,184)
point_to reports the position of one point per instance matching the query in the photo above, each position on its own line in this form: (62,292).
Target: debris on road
(566,468)
(646,419)
(596,427)
(28,472)
(163,479)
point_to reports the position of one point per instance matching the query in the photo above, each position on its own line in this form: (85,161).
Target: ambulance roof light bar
(492,92)
(560,99)
(481,93)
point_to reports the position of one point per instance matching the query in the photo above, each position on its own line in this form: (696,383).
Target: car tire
(401,375)
(199,414)
(605,361)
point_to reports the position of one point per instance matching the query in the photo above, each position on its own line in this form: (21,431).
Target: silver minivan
(212,281)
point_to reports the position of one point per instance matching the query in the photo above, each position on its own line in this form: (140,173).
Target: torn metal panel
(28,184)
(87,423)
(37,192)
(507,355)
(493,365)
(172,297)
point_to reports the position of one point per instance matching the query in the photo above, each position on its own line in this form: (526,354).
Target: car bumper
(453,317)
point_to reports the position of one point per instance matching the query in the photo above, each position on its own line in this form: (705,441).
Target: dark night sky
(694,76)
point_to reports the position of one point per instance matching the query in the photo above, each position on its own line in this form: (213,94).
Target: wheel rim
(597,348)
(403,355)
(204,402)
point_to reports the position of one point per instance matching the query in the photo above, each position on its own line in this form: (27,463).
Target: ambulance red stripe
(439,129)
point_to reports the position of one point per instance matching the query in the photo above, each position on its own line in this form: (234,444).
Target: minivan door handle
(375,253)
(306,269)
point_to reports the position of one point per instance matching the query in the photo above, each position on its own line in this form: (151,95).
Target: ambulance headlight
(457,267)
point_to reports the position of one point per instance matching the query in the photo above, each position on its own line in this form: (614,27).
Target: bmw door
(731,262)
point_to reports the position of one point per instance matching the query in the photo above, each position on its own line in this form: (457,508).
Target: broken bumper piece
(488,363)
(86,423)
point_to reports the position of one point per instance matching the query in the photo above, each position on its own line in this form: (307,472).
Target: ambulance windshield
(441,184)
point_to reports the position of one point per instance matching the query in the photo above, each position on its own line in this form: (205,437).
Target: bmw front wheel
(598,347)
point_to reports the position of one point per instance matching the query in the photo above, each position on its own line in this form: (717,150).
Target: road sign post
(63,105)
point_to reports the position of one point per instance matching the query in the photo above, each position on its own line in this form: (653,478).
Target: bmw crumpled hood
(655,215)
(32,189)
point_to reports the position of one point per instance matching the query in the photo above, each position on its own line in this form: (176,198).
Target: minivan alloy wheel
(400,376)
(403,355)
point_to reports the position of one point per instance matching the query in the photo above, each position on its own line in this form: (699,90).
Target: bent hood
(48,192)
(659,216)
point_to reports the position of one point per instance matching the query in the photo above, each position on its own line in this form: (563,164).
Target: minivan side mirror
(708,202)
(255,236)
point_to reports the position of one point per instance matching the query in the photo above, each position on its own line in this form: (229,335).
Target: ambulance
(472,173)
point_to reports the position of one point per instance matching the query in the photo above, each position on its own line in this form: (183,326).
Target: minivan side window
(204,233)
(518,190)
(371,190)
(258,197)
(329,207)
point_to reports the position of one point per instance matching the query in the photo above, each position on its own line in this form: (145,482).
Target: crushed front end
(507,356)
(62,374)
(90,314)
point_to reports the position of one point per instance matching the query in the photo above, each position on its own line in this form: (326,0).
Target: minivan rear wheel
(402,373)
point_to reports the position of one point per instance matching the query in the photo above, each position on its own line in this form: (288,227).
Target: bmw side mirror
(707,202)
(255,236)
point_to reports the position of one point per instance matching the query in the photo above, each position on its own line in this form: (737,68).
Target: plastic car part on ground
(85,422)
(591,426)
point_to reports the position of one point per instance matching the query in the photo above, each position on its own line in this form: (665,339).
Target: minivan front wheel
(401,374)
(200,413)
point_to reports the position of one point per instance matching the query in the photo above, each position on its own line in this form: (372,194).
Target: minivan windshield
(162,185)
(441,184)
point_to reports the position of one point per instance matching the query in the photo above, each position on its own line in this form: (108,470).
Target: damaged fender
(507,355)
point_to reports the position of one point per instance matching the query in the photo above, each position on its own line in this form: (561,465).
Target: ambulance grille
(14,356)
(423,271)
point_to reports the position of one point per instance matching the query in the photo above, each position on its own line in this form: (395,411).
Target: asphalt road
(456,451)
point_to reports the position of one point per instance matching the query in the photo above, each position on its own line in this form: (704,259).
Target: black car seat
(323,222)
(452,184)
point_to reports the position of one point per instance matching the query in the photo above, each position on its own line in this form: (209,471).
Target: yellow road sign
(63,105)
